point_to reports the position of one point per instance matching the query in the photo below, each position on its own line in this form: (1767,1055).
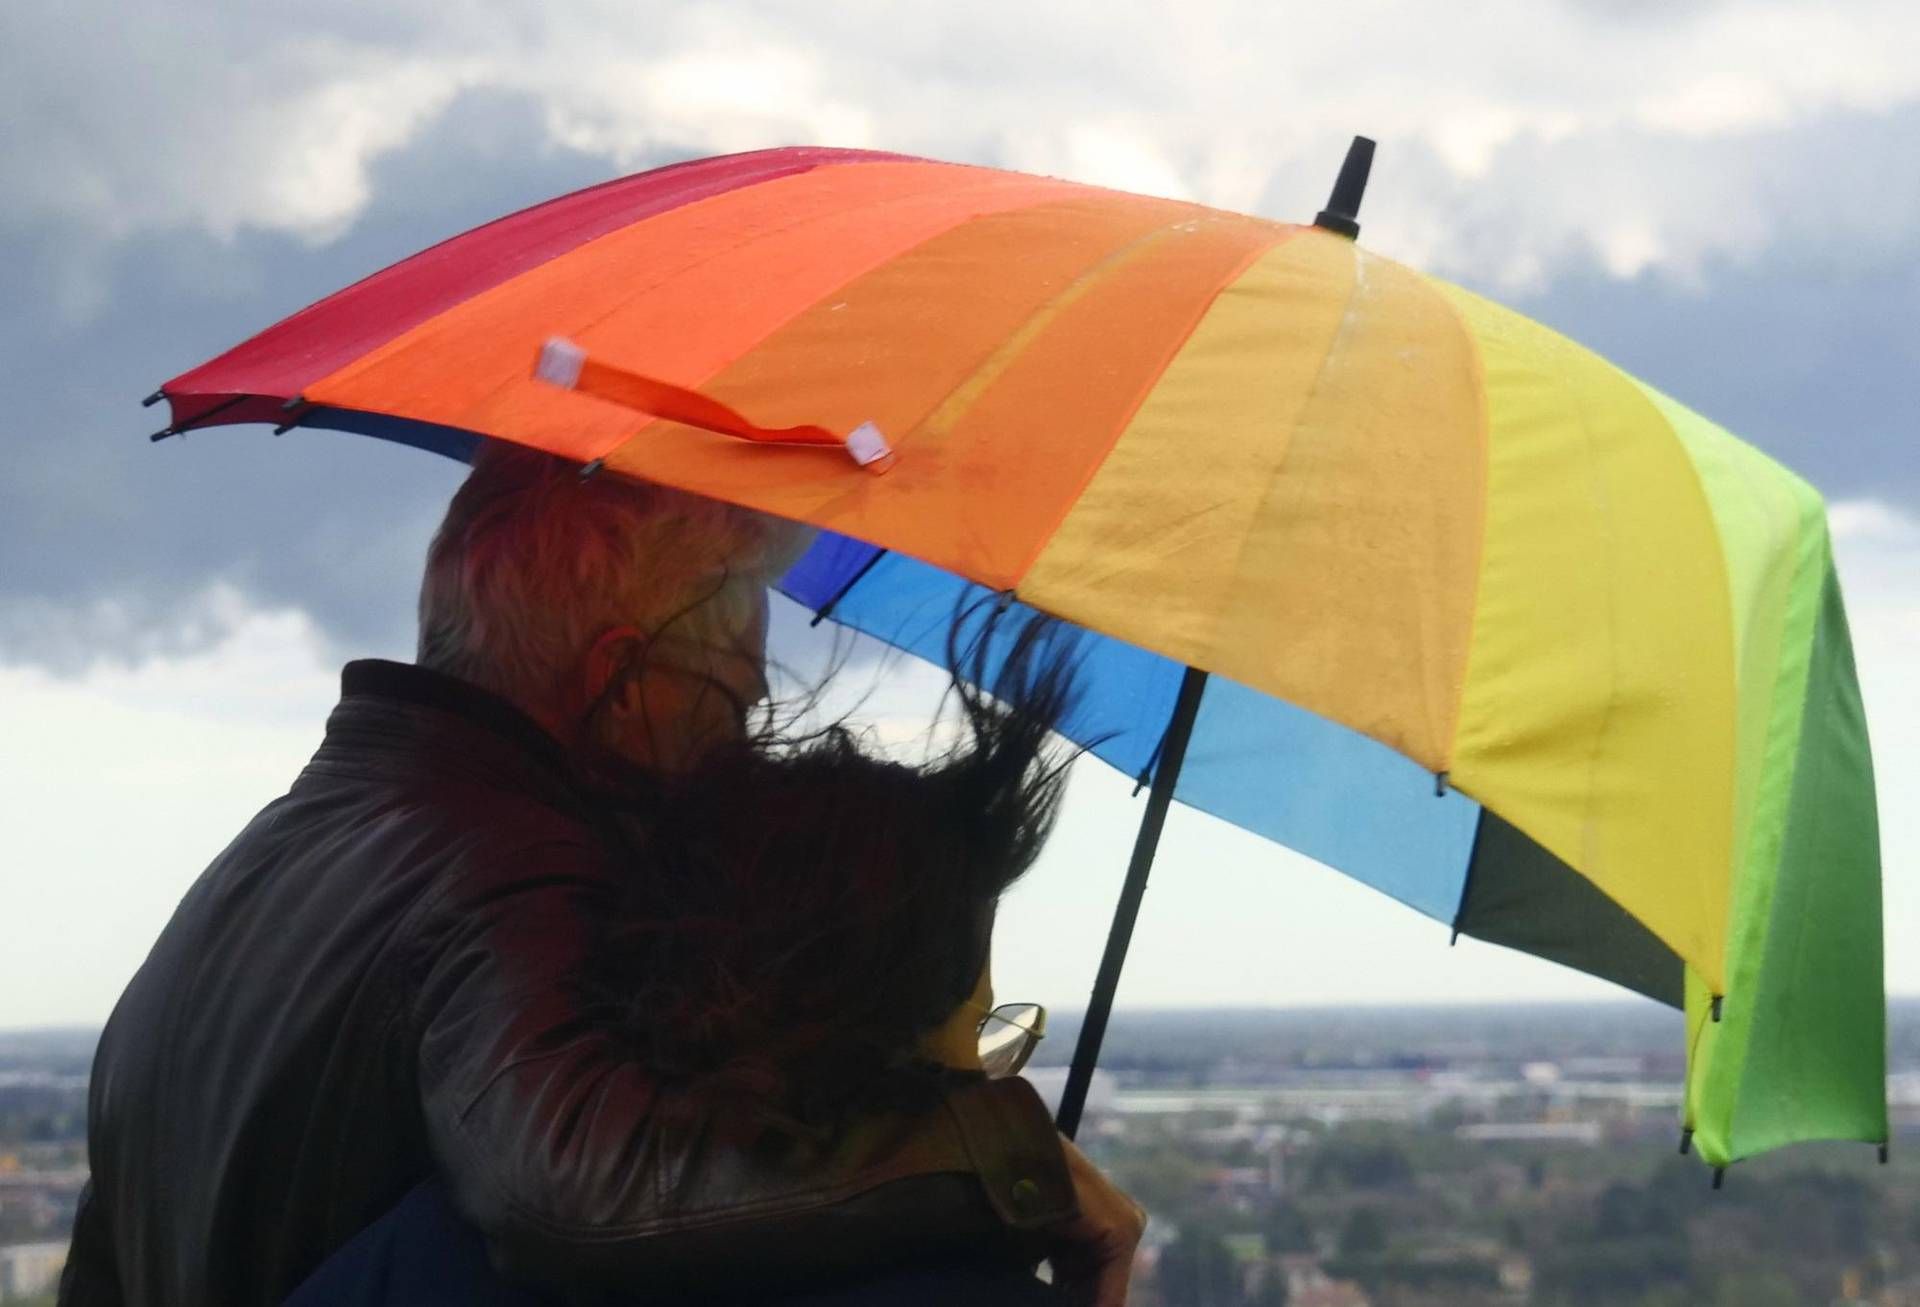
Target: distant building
(27,1269)
(39,1204)
(1238,1187)
(1331,1293)
(1516,1274)
(1605,1068)
(1310,1286)
(1540,1074)
(1588,1134)
(1902,1293)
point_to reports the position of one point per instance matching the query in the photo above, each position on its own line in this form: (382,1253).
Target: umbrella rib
(1153,760)
(199,419)
(826,609)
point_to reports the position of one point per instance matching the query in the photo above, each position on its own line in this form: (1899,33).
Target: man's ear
(607,658)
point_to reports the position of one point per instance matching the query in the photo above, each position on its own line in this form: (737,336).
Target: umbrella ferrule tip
(560,362)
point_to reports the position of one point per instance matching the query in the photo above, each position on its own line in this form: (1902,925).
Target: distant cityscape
(1343,1158)
(43,1155)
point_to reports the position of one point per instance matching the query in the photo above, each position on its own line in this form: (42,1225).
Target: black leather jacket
(378,979)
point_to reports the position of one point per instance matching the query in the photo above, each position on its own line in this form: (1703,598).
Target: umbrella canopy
(1493,626)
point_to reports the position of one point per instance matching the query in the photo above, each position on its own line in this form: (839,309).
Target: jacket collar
(395,716)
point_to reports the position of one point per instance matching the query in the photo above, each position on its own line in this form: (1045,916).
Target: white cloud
(1517,136)
(1101,154)
(307,170)
(1862,525)
(126,120)
(1877,554)
(120,783)
(625,107)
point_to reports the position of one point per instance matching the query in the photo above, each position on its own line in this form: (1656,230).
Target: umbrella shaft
(1093,1029)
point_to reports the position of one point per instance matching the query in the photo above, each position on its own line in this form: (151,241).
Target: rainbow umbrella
(1373,567)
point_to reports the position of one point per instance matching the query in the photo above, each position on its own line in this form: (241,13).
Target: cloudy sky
(1721,196)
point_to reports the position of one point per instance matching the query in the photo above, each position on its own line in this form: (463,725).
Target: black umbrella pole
(1093,1029)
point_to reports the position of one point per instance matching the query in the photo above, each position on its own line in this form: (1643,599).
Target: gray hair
(533,563)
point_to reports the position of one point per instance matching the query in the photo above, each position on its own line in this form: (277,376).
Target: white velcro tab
(867,445)
(560,362)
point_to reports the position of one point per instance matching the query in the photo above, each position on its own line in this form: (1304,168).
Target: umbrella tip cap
(1341,216)
(560,362)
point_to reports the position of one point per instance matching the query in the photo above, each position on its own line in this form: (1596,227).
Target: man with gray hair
(381,978)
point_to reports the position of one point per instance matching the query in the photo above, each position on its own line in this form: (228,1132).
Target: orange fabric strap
(563,363)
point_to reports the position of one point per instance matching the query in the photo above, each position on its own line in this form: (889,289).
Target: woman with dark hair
(807,929)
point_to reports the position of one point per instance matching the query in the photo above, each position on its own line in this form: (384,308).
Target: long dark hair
(800,912)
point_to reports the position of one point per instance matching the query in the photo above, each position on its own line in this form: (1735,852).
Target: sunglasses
(1008,1035)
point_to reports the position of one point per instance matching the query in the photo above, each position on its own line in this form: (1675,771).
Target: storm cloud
(1718,196)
